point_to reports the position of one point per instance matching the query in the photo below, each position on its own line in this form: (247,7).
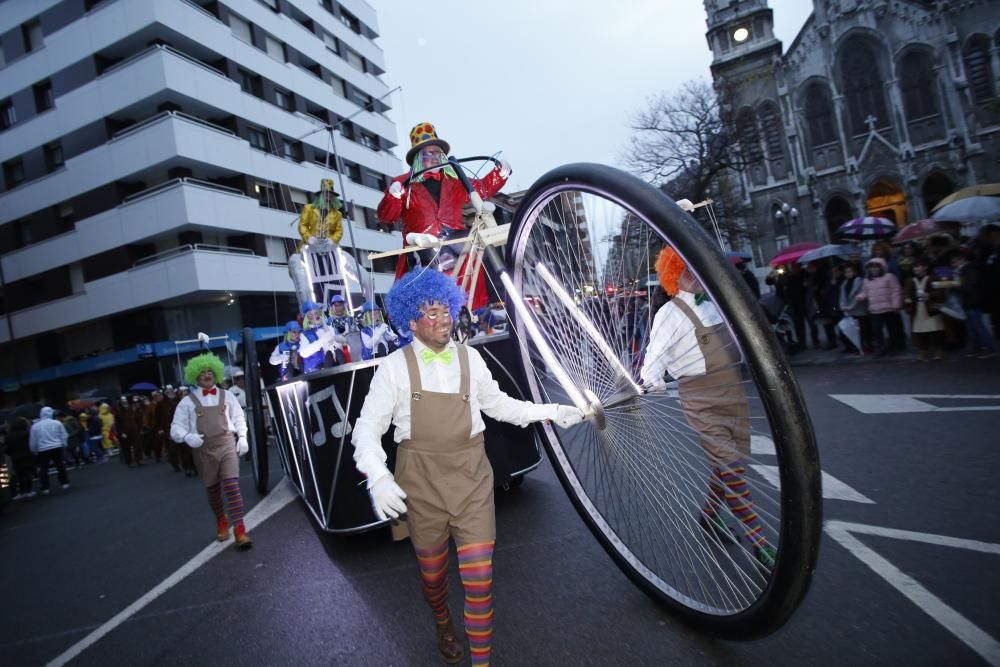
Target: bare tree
(685,144)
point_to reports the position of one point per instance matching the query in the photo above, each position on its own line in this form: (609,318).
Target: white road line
(874,404)
(833,488)
(966,631)
(280,495)
(761,444)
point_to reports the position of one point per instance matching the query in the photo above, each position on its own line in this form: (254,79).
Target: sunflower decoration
(322,219)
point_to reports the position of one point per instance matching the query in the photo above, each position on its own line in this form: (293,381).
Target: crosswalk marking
(873,404)
(966,631)
(833,488)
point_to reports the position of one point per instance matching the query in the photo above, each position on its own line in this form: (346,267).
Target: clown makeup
(431,156)
(338,308)
(689,283)
(206,379)
(292,336)
(433,329)
(314,317)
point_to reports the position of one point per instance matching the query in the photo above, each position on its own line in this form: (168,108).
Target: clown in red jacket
(431,204)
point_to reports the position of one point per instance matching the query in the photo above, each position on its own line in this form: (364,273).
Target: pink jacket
(884,293)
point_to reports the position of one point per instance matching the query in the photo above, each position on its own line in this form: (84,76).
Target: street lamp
(784,210)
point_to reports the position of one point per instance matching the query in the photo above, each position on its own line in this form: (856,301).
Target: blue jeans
(979,335)
(95,447)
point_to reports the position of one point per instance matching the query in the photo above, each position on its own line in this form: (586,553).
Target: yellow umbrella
(984,190)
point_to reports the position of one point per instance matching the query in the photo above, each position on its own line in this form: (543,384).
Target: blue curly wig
(418,288)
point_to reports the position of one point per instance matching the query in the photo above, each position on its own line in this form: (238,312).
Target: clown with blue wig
(435,392)
(286,353)
(317,337)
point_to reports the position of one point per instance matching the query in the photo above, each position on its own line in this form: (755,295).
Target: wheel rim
(642,481)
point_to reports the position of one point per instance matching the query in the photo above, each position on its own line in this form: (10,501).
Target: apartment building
(154,156)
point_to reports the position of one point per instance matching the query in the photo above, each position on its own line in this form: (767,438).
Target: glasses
(432,154)
(434,315)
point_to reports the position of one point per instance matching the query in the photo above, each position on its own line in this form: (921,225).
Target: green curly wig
(203,362)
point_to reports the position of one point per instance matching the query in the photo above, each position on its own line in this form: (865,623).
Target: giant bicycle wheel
(729,544)
(256,432)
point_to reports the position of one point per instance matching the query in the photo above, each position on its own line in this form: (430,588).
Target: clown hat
(336,298)
(308,306)
(424,134)
(292,325)
(369,306)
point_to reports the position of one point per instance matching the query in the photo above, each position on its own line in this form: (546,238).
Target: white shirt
(673,346)
(241,396)
(388,401)
(186,421)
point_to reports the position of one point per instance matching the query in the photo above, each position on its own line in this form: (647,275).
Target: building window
(284,99)
(266,195)
(65,214)
(862,86)
(3,58)
(43,96)
(250,83)
(978,71)
(350,20)
(53,156)
(32,33)
(291,150)
(917,85)
(274,48)
(353,172)
(355,60)
(819,115)
(13,173)
(331,43)
(337,86)
(770,123)
(746,128)
(241,28)
(8,116)
(257,139)
(369,140)
(271,4)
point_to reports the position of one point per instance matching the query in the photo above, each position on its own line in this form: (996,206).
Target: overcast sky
(545,81)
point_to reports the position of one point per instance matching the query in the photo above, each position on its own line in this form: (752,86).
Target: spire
(738,29)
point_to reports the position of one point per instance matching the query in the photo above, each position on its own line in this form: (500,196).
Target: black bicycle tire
(256,432)
(801,497)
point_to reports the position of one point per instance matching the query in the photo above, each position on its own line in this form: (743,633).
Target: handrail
(166,185)
(188,247)
(169,49)
(156,118)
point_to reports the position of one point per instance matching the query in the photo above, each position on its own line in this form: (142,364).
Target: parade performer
(431,204)
(339,317)
(317,338)
(286,353)
(210,421)
(377,338)
(435,391)
(690,341)
(107,427)
(127,420)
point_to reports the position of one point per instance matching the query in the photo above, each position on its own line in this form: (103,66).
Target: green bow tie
(701,298)
(429,355)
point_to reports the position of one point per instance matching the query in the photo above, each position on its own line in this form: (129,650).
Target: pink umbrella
(792,253)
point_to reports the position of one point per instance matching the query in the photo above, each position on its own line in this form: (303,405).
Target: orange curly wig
(669,267)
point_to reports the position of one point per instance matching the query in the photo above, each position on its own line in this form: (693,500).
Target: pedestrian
(884,296)
(923,303)
(689,340)
(434,391)
(972,293)
(851,307)
(750,279)
(74,442)
(431,205)
(210,421)
(95,428)
(107,428)
(21,457)
(47,439)
(147,430)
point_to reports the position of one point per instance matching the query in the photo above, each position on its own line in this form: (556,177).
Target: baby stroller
(781,321)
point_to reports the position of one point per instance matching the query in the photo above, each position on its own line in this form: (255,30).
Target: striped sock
(234,501)
(475,566)
(215,501)
(737,495)
(433,563)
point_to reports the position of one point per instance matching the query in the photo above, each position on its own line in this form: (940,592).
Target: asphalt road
(76,559)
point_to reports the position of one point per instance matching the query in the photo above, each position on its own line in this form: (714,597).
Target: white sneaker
(30,494)
(65,486)
(45,492)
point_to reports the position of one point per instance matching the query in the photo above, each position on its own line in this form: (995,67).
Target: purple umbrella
(867,228)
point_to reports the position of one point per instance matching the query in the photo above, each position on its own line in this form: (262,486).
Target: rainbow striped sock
(215,501)
(475,566)
(736,493)
(234,501)
(433,563)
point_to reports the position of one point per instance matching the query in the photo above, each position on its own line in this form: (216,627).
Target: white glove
(194,440)
(685,205)
(421,240)
(396,189)
(387,498)
(504,169)
(242,446)
(337,339)
(568,415)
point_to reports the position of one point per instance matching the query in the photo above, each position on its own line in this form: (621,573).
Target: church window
(917,84)
(819,115)
(862,86)
(978,71)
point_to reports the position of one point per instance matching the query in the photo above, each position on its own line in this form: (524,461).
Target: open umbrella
(737,258)
(984,190)
(143,386)
(922,229)
(792,253)
(970,209)
(830,250)
(867,228)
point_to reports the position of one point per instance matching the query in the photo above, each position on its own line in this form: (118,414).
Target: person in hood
(108,433)
(47,439)
(884,295)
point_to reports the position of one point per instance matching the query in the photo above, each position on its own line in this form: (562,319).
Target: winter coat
(935,297)
(47,433)
(107,423)
(883,294)
(971,289)
(849,290)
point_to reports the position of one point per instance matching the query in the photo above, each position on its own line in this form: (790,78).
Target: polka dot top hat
(424,134)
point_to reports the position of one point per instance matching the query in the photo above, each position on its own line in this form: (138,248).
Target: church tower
(741,37)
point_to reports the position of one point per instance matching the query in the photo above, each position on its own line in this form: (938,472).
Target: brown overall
(714,403)
(216,459)
(446,476)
